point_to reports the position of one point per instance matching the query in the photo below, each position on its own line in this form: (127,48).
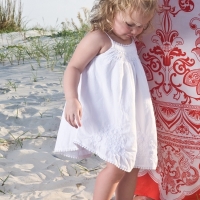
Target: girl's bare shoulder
(100,39)
(98,35)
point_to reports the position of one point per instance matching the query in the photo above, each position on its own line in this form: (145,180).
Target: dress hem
(102,157)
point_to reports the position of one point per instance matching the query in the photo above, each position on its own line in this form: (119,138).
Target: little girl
(110,111)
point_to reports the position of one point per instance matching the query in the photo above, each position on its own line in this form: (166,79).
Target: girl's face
(128,25)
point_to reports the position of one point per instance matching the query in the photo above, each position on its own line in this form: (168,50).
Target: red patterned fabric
(171,59)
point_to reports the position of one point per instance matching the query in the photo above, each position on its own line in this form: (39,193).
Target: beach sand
(31,103)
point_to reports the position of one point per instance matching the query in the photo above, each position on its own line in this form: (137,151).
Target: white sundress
(118,122)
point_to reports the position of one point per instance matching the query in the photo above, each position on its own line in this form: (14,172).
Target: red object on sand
(171,58)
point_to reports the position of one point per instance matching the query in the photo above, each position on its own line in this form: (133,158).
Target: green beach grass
(55,50)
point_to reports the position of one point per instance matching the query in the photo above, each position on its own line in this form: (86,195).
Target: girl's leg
(126,187)
(107,181)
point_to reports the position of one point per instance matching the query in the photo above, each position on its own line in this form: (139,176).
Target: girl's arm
(87,49)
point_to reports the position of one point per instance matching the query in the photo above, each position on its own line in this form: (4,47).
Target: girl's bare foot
(141,198)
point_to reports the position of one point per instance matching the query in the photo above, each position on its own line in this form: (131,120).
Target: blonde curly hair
(103,11)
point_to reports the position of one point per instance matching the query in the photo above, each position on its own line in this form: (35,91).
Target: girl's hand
(73,112)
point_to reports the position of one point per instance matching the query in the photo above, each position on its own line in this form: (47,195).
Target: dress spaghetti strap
(112,41)
(117,43)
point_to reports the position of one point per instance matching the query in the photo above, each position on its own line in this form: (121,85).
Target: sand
(31,103)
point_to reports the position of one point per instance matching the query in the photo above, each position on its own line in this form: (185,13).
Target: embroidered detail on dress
(122,53)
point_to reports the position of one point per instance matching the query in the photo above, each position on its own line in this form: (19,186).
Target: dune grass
(54,47)
(56,50)
(10,16)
